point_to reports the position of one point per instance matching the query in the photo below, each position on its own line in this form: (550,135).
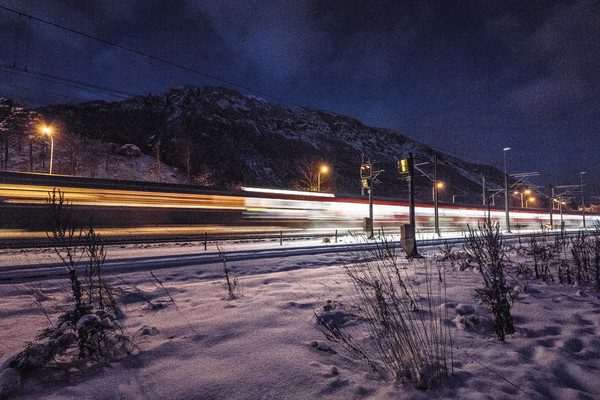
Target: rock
(129,150)
(322,346)
(465,309)
(148,331)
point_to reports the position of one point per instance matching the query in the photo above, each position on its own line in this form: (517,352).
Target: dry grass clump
(401,334)
(486,247)
(89,330)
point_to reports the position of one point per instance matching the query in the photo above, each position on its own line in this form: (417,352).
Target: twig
(172,300)
(496,373)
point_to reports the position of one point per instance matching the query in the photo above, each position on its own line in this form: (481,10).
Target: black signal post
(409,244)
(366,176)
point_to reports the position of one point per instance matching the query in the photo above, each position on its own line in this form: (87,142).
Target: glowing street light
(48,131)
(323,169)
(527,192)
(439,185)
(531,199)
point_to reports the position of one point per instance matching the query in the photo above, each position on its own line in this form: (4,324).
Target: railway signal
(403,166)
(368,177)
(409,244)
(365,171)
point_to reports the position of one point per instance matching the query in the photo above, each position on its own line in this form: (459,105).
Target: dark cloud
(469,77)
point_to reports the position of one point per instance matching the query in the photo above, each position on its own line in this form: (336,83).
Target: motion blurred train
(127,204)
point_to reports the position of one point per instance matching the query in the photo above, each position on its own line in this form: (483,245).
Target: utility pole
(483,190)
(506,207)
(435,197)
(551,194)
(582,198)
(562,222)
(368,177)
(411,190)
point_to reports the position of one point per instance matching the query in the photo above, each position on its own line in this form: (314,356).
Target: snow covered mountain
(218,137)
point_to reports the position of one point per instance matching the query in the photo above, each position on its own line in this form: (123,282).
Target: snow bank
(267,344)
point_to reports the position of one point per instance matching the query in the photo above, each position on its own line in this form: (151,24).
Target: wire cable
(152,57)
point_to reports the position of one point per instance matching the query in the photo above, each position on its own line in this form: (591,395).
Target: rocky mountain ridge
(218,137)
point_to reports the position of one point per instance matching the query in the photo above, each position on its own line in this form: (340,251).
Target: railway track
(132,263)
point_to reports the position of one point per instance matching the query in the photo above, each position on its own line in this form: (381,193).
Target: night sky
(465,77)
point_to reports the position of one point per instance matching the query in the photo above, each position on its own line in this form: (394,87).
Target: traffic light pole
(367,176)
(411,190)
(408,237)
(371,206)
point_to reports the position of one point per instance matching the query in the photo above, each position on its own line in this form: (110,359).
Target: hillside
(218,137)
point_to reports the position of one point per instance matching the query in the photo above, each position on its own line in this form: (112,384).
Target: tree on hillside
(308,176)
(14,122)
(184,149)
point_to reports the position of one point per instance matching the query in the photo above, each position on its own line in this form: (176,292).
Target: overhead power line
(65,82)
(151,57)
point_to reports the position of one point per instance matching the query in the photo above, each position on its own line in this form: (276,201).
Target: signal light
(365,171)
(403,166)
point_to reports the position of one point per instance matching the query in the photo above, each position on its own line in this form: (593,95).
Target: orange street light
(439,185)
(48,131)
(527,192)
(324,169)
(531,199)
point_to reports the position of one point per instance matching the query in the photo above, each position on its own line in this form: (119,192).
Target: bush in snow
(94,336)
(595,246)
(89,331)
(542,254)
(447,253)
(73,244)
(384,324)
(485,245)
(580,250)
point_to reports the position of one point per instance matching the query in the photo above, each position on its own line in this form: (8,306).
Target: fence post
(281,238)
(336,235)
(205,239)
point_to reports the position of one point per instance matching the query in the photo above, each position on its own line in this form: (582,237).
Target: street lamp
(582,199)
(48,131)
(323,169)
(531,199)
(506,191)
(522,193)
(435,188)
(437,185)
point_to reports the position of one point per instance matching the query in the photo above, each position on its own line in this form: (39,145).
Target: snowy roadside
(260,344)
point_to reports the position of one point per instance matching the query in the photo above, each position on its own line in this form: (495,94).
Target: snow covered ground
(261,344)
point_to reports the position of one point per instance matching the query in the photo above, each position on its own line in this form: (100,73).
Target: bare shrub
(384,323)
(231,284)
(595,249)
(485,245)
(581,256)
(542,254)
(89,331)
